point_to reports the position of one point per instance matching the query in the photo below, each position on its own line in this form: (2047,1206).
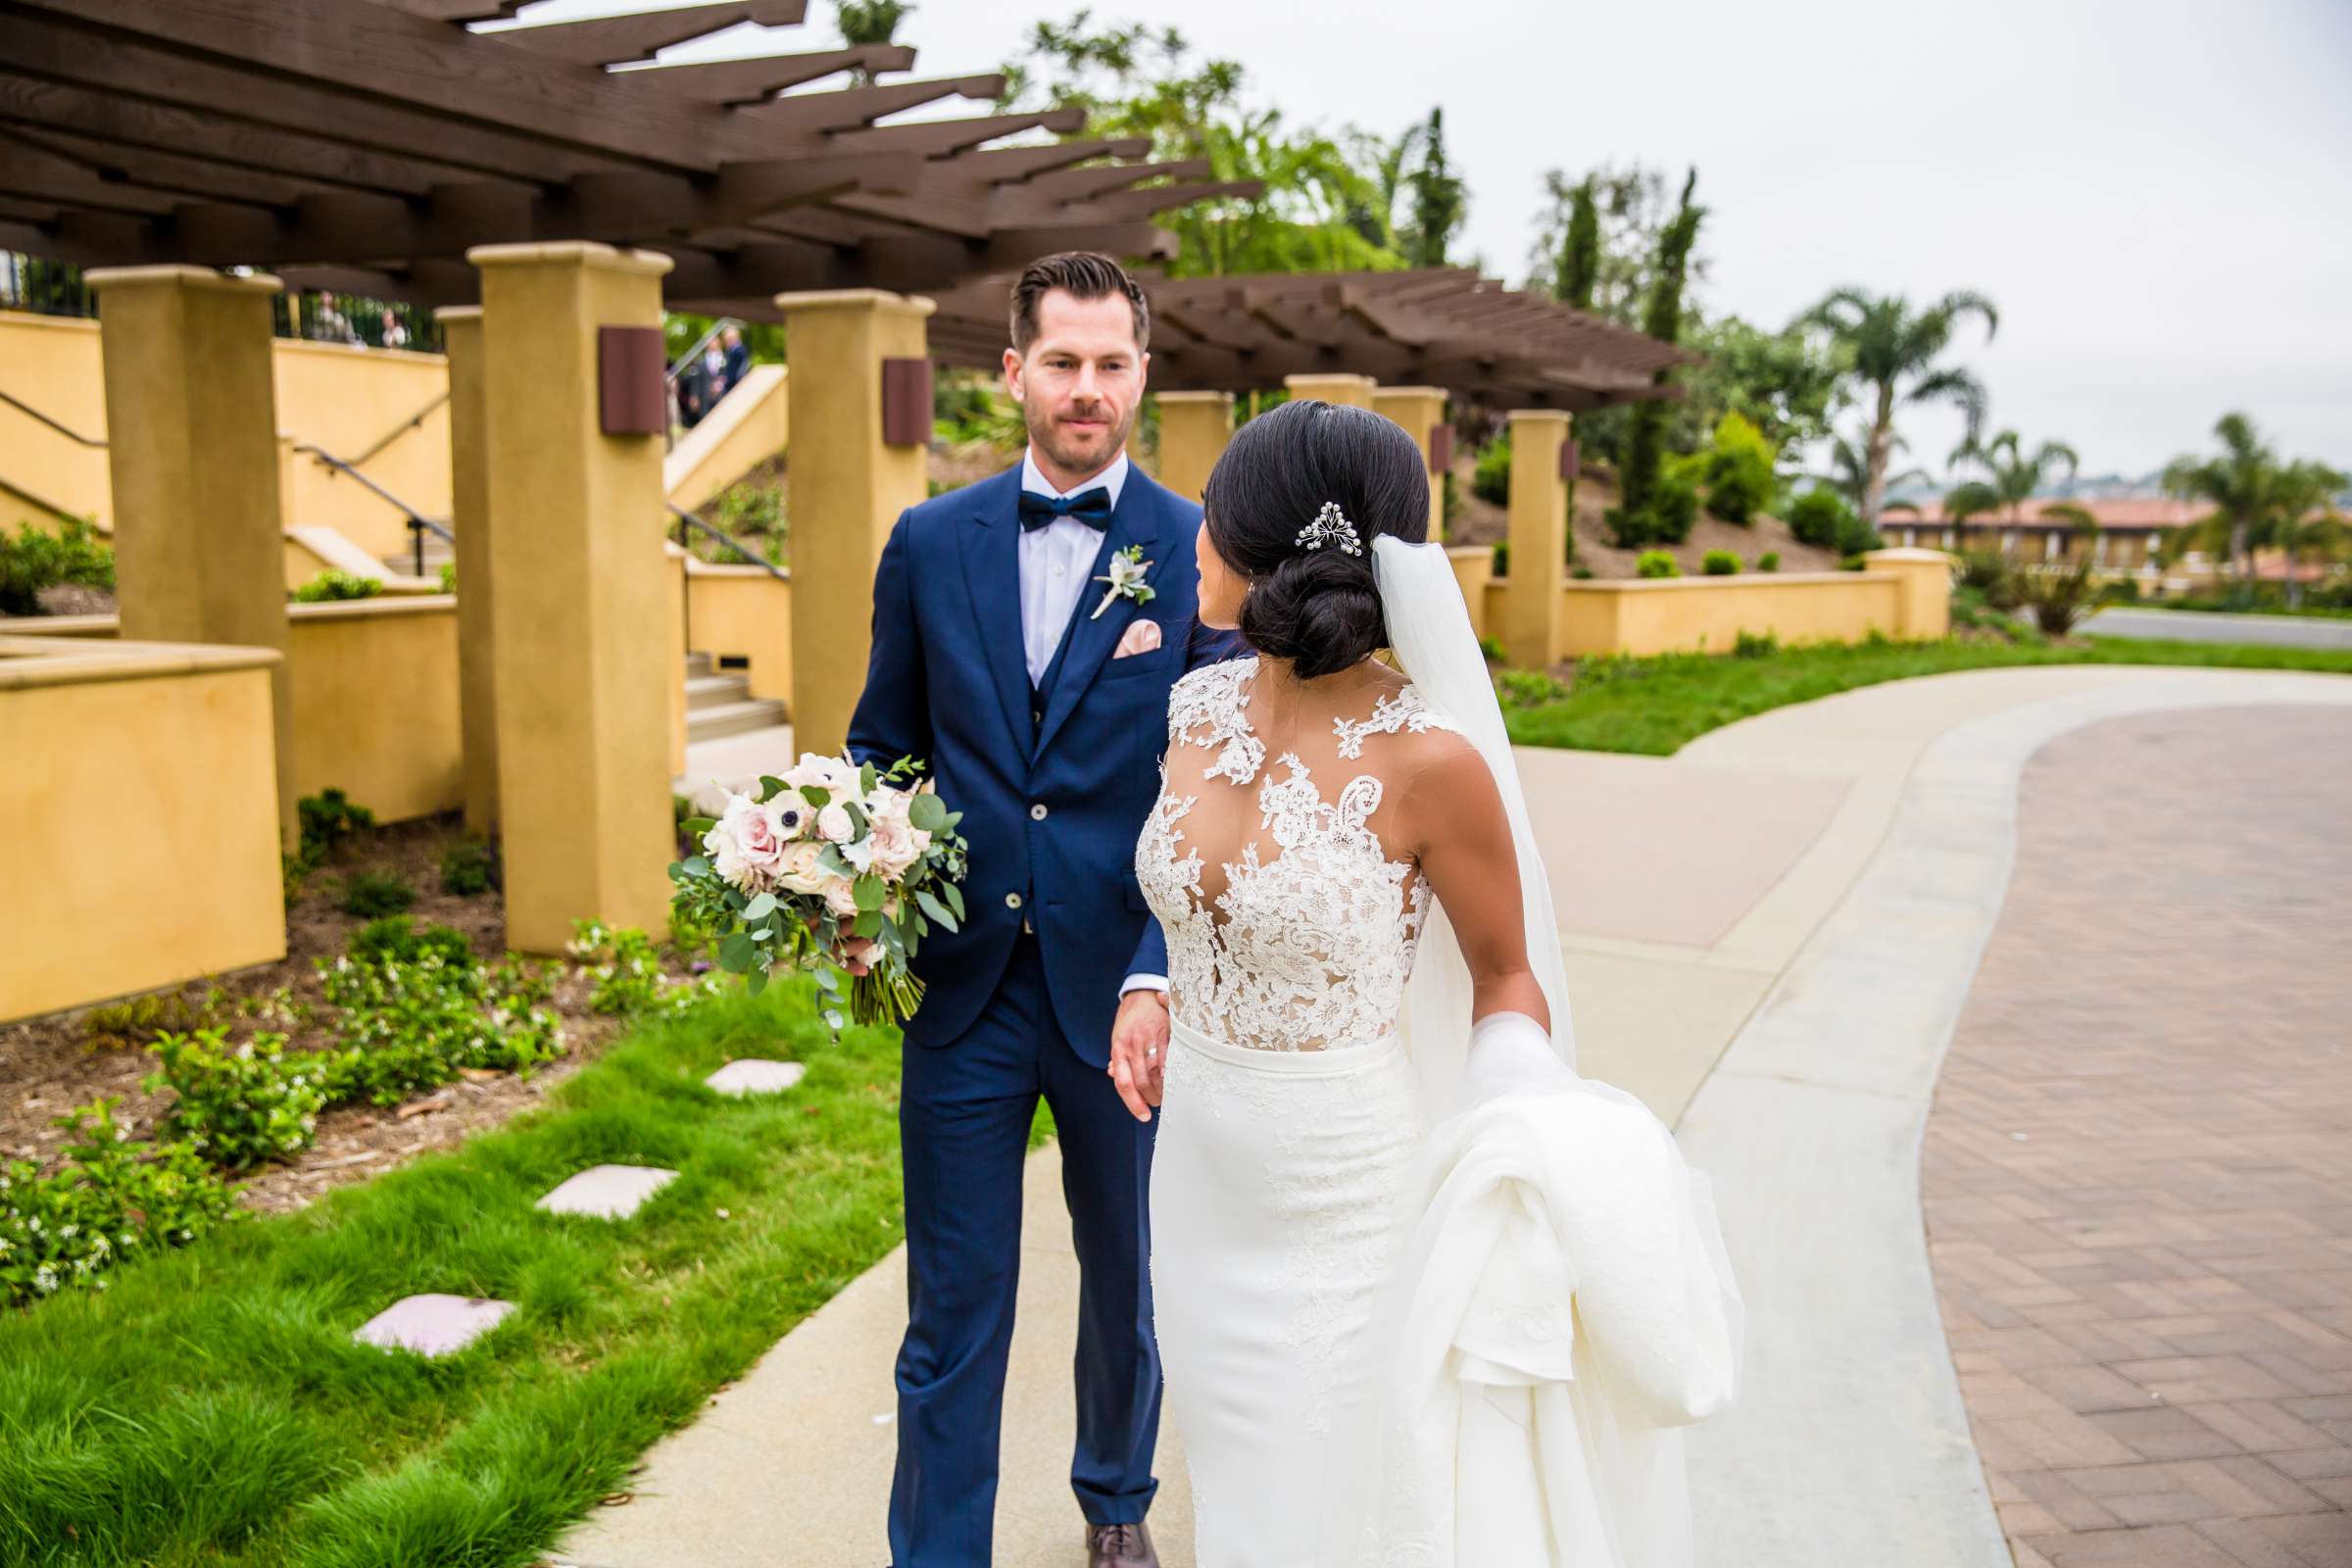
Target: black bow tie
(1089,507)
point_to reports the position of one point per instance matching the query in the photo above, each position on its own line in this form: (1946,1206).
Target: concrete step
(732,718)
(436,556)
(697,665)
(716,691)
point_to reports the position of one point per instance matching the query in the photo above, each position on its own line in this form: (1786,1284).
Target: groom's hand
(1139,1050)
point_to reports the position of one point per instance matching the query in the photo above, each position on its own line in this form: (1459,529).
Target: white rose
(833,823)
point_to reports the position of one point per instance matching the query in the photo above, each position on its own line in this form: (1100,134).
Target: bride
(1425,1297)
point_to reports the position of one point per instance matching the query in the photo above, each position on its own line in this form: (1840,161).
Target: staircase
(720,702)
(438,552)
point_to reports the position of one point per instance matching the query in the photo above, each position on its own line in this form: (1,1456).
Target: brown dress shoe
(1119,1546)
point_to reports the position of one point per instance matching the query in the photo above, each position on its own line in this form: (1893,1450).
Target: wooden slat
(750,81)
(808,114)
(941,137)
(641,34)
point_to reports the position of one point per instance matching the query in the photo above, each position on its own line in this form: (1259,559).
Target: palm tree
(2297,491)
(1894,348)
(2238,484)
(2011,474)
(1849,474)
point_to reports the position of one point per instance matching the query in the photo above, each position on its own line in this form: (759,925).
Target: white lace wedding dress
(1423,1300)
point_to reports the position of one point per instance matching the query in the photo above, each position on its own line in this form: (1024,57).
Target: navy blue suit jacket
(947,683)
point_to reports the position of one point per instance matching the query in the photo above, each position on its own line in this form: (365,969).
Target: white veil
(1429,630)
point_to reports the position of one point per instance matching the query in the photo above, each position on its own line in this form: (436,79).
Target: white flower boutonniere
(1126,579)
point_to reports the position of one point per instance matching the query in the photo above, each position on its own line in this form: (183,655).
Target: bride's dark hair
(1318,607)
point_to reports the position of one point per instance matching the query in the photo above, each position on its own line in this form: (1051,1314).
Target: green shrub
(1580,574)
(1737,470)
(1492,648)
(395,939)
(369,894)
(1491,477)
(1655,563)
(406,1025)
(239,1106)
(36,559)
(1820,518)
(111,1200)
(1667,517)
(1769,561)
(1756,645)
(130,1025)
(624,969)
(448,577)
(1502,559)
(329,822)
(1527,687)
(467,869)
(2059,596)
(333,584)
(1719,564)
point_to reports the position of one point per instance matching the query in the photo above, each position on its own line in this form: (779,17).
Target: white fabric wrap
(1565,1302)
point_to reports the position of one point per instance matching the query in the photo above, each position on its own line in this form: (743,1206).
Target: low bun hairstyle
(1317,609)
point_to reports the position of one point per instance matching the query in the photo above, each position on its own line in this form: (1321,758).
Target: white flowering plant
(838,870)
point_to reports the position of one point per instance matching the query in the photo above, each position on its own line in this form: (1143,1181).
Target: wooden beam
(939,138)
(819,112)
(168,171)
(750,81)
(641,34)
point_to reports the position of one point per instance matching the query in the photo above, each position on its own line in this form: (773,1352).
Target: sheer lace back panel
(1290,924)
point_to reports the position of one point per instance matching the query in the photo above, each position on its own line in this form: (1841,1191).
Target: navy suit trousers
(964,1115)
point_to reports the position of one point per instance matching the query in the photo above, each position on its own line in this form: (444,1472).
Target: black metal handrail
(402,428)
(68,431)
(418,522)
(751,556)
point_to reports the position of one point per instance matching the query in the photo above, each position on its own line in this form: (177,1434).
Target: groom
(1034,680)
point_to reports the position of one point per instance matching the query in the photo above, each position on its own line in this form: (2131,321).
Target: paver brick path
(2137,1173)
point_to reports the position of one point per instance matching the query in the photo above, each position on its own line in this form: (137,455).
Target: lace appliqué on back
(1304,949)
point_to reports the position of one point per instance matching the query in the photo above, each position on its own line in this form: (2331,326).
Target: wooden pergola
(1441,327)
(366,145)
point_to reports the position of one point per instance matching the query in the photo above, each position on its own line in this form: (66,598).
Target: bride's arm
(1454,817)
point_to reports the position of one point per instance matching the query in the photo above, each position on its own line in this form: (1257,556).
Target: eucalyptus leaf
(870,924)
(955,896)
(698,825)
(927,813)
(870,892)
(760,906)
(697,865)
(934,908)
(757,983)
(737,953)
(816,795)
(770,787)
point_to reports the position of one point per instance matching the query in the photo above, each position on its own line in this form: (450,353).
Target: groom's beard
(1079,451)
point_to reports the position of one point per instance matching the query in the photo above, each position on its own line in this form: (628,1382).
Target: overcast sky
(2157,194)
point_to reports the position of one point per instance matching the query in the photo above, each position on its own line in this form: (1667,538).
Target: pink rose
(841,896)
(798,871)
(894,844)
(744,845)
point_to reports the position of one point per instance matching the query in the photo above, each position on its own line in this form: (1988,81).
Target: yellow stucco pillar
(1194,428)
(1925,602)
(193,453)
(581,624)
(1419,410)
(1538,534)
(470,521)
(846,486)
(1353,391)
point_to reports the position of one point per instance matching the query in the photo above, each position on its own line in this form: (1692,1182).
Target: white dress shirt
(1056,563)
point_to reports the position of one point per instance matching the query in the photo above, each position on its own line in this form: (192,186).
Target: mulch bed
(49,1064)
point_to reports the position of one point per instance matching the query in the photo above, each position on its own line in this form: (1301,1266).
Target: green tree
(1894,347)
(1849,474)
(869,21)
(1580,248)
(2302,514)
(2238,483)
(1612,274)
(1663,320)
(1136,82)
(1439,201)
(1789,384)
(2012,473)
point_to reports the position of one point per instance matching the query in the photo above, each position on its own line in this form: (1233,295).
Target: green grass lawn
(1655,705)
(211,1406)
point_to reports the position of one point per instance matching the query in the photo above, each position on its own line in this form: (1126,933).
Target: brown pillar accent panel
(905,403)
(1441,447)
(630,376)
(1568,461)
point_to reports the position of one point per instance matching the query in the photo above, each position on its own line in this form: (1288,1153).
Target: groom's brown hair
(1085,274)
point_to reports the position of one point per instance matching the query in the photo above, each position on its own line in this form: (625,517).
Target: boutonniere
(1126,579)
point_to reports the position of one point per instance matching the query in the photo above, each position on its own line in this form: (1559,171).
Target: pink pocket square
(1141,637)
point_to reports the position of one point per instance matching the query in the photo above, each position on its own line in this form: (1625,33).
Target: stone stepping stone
(432,1325)
(608,1192)
(756,1075)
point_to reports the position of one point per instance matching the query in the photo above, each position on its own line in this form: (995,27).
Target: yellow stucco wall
(741,610)
(1474,571)
(331,395)
(745,430)
(1907,599)
(375,702)
(138,819)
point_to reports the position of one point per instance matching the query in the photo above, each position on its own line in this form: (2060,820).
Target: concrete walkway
(1767,937)
(2216,627)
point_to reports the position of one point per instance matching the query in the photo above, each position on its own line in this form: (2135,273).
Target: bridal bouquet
(833,867)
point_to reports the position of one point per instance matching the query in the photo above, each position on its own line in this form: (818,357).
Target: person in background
(738,357)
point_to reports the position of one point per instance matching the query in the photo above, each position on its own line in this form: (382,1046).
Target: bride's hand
(1139,1050)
